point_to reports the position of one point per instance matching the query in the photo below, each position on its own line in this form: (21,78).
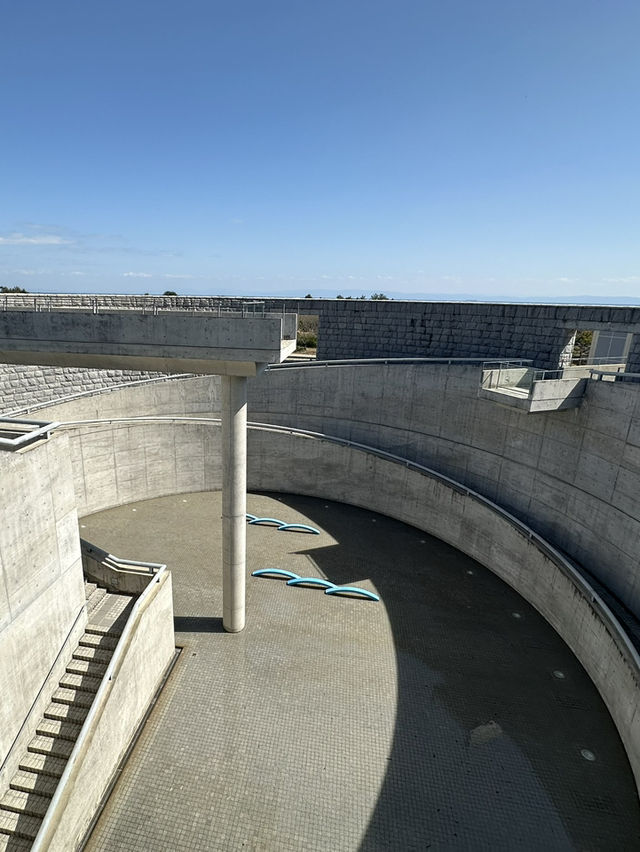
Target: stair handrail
(58,802)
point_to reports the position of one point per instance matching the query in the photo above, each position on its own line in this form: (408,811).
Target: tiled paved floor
(431,720)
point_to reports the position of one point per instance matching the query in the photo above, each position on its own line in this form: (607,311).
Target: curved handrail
(548,549)
(60,400)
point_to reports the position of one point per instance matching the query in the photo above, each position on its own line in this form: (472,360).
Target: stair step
(25,803)
(20,825)
(59,728)
(87,667)
(92,654)
(32,782)
(89,589)
(76,697)
(92,639)
(110,615)
(113,631)
(96,597)
(43,764)
(66,712)
(11,843)
(57,747)
(85,683)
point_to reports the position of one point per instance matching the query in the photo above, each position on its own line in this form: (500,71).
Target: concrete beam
(170,342)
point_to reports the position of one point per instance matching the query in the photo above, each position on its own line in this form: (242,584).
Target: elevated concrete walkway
(171,342)
(230,344)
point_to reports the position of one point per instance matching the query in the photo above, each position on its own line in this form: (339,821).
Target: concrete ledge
(144,652)
(122,576)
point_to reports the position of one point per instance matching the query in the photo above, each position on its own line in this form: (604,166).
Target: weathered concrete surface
(372,329)
(234,500)
(144,652)
(304,465)
(547,395)
(431,718)
(41,589)
(574,476)
(168,342)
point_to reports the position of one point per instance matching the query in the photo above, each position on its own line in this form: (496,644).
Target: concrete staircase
(24,805)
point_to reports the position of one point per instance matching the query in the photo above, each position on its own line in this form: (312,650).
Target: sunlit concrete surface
(448,716)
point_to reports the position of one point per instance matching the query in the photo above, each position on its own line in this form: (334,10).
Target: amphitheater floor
(448,716)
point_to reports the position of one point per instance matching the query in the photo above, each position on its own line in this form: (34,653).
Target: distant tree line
(13,290)
(375,296)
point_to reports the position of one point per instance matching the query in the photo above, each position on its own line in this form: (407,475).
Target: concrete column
(234,501)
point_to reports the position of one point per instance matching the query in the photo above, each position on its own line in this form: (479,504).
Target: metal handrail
(618,377)
(57,804)
(367,362)
(565,565)
(24,436)
(147,304)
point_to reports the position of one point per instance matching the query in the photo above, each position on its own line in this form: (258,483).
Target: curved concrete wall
(300,463)
(321,468)
(115,463)
(573,476)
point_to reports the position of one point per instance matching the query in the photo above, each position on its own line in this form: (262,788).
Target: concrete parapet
(144,652)
(172,342)
(571,475)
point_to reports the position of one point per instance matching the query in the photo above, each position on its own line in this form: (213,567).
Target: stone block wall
(395,329)
(22,386)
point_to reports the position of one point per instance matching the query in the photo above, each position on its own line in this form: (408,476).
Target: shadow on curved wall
(487,744)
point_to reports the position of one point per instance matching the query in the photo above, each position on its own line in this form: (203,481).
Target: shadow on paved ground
(197,624)
(478,704)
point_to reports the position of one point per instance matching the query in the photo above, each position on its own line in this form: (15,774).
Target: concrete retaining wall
(372,329)
(42,592)
(144,652)
(316,467)
(574,476)
(319,467)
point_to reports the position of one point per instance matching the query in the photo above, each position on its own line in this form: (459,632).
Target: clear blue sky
(466,147)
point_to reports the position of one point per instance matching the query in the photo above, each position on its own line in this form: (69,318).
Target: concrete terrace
(448,716)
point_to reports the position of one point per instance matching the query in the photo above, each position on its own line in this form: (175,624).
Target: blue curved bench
(352,590)
(275,573)
(311,581)
(300,528)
